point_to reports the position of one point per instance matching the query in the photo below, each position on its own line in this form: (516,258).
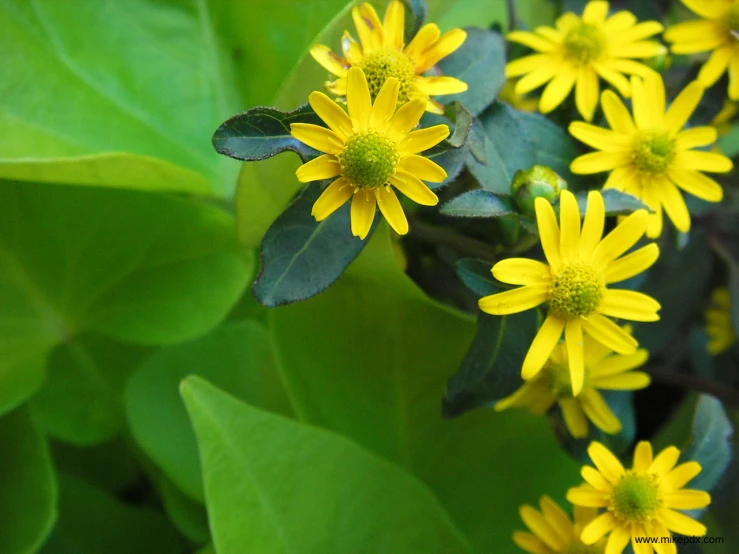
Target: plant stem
(446,237)
(667,376)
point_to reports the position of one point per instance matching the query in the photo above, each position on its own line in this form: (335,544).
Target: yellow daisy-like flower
(650,156)
(641,501)
(573,284)
(370,148)
(717,32)
(381,53)
(552,530)
(579,52)
(718,322)
(603,370)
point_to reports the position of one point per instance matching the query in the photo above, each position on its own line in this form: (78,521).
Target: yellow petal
(331,113)
(703,44)
(320,138)
(588,497)
(542,345)
(385,104)
(542,74)
(514,301)
(597,162)
(391,209)
(407,117)
(639,32)
(358,98)
(558,89)
(533,41)
(715,66)
(632,264)
(574,418)
(642,457)
(680,523)
(322,167)
(521,271)
(623,237)
(606,462)
(425,37)
(709,10)
(587,91)
(629,304)
(423,168)
(654,88)
(665,461)
(641,547)
(569,222)
(598,528)
(529,543)
(330,61)
(524,65)
(630,67)
(619,22)
(337,87)
(394,25)
(680,476)
(674,205)
(697,184)
(362,213)
(437,86)
(617,540)
(683,107)
(734,78)
(695,137)
(541,527)
(368,27)
(703,161)
(597,137)
(574,342)
(592,227)
(641,104)
(546,221)
(352,51)
(557,518)
(613,77)
(687,499)
(595,12)
(692,30)
(642,49)
(414,188)
(331,199)
(448,43)
(598,412)
(423,139)
(608,333)
(632,380)
(617,115)
(659,530)
(594,478)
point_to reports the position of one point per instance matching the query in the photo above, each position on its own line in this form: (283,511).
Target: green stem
(667,376)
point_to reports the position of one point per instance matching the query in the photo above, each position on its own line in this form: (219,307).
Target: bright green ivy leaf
(73,260)
(28,494)
(237,356)
(305,490)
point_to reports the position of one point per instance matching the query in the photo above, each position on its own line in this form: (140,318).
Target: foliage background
(127,246)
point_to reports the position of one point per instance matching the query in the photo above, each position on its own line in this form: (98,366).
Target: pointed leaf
(478,203)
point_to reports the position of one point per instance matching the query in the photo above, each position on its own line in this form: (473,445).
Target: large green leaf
(478,203)
(303,489)
(237,357)
(383,353)
(28,493)
(122,95)
(133,266)
(91,522)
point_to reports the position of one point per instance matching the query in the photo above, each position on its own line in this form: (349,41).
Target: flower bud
(537,181)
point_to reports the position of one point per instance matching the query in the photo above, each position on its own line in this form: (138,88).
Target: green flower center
(576,291)
(382,64)
(584,43)
(369,159)
(653,152)
(580,548)
(636,498)
(558,379)
(731,20)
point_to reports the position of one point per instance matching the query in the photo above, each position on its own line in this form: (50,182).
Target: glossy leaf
(615,201)
(237,356)
(111,120)
(451,153)
(478,203)
(188,515)
(261,133)
(477,276)
(491,369)
(73,260)
(300,256)
(479,62)
(28,494)
(261,468)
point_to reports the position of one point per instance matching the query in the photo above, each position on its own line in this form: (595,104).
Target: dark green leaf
(491,369)
(262,468)
(476,275)
(452,153)
(300,256)
(189,516)
(554,146)
(28,493)
(729,143)
(478,203)
(479,62)
(417,10)
(261,133)
(616,202)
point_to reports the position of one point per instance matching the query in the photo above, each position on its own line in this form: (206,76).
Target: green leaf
(451,153)
(479,62)
(728,144)
(188,515)
(91,521)
(237,356)
(415,15)
(616,202)
(491,369)
(385,352)
(112,120)
(553,145)
(82,399)
(28,494)
(478,203)
(477,276)
(303,489)
(73,260)
(300,256)
(261,133)
(710,443)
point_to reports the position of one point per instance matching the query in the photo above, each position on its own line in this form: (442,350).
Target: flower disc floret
(379,66)
(636,498)
(576,291)
(584,43)
(369,159)
(653,152)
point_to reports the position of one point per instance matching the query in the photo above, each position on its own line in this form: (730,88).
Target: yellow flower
(603,370)
(717,32)
(552,530)
(651,156)
(573,285)
(370,148)
(718,322)
(641,501)
(383,54)
(579,51)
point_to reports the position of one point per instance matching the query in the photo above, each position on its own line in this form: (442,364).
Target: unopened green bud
(660,63)
(537,181)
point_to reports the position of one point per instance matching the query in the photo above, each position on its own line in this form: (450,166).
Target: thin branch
(446,237)
(512,19)
(667,376)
